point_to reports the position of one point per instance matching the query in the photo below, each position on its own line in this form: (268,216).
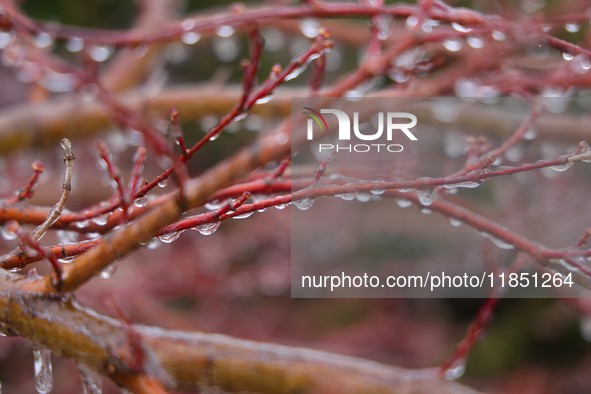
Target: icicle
(91,382)
(43,375)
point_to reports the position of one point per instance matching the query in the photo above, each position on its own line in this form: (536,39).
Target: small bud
(174,115)
(38,166)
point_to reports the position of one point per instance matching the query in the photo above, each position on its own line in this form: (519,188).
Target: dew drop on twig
(456,370)
(499,242)
(7,235)
(163,183)
(304,203)
(452,44)
(141,202)
(207,228)
(170,237)
(100,53)
(43,374)
(67,237)
(43,40)
(426,197)
(455,222)
(82,223)
(91,382)
(153,244)
(309,27)
(190,37)
(75,45)
(462,29)
(101,220)
(562,167)
(476,41)
(402,203)
(572,27)
(243,216)
(498,35)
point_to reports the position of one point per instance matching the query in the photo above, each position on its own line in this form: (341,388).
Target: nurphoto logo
(392,124)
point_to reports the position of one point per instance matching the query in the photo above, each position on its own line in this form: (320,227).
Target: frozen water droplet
(281,206)
(426,211)
(7,235)
(82,223)
(397,76)
(304,203)
(75,45)
(347,196)
(170,237)
(163,183)
(208,228)
(562,167)
(475,42)
(455,222)
(377,192)
(298,70)
(572,27)
(67,237)
(43,40)
(499,242)
(383,25)
(141,202)
(243,216)
(214,137)
(456,370)
(467,184)
(411,21)
(567,56)
(498,35)
(309,27)
(426,196)
(452,44)
(224,31)
(402,203)
(58,82)
(190,37)
(427,28)
(110,270)
(101,220)
(92,383)
(43,374)
(462,29)
(100,53)
(153,244)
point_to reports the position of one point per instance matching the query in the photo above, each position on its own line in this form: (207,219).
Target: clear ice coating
(170,237)
(91,382)
(110,270)
(43,375)
(562,167)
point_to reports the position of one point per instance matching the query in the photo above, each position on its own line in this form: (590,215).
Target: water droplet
(562,167)
(426,196)
(58,82)
(243,216)
(82,223)
(567,56)
(207,228)
(190,37)
(455,222)
(163,183)
(170,237)
(225,49)
(187,24)
(214,137)
(7,235)
(5,39)
(363,197)
(100,53)
(215,204)
(298,70)
(397,76)
(462,29)
(101,220)
(281,206)
(141,202)
(427,28)
(309,27)
(304,203)
(475,42)
(572,27)
(499,242)
(265,99)
(67,237)
(456,370)
(530,134)
(411,21)
(402,203)
(110,270)
(498,35)
(75,45)
(467,184)
(377,192)
(43,40)
(383,25)
(153,244)
(43,374)
(224,31)
(452,44)
(426,211)
(347,196)
(92,383)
